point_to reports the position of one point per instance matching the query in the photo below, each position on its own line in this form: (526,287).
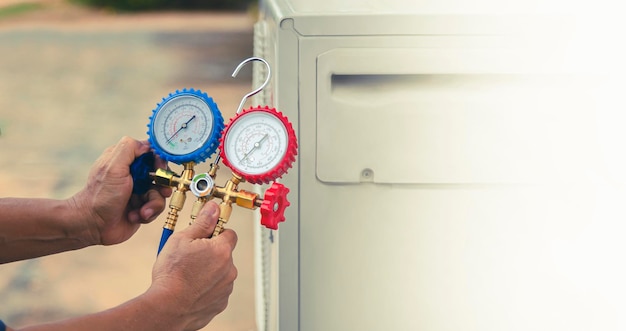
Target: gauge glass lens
(256,143)
(183,125)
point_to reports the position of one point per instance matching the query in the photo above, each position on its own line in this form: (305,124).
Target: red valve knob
(273,206)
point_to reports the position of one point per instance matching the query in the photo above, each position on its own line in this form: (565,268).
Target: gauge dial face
(256,143)
(183,125)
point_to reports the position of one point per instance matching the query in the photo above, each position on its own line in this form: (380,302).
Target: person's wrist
(84,224)
(165,308)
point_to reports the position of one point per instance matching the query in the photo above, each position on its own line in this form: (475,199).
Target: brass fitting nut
(246,199)
(164,177)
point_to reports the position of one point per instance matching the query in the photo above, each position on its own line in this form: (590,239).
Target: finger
(144,142)
(205,222)
(135,201)
(229,237)
(139,146)
(165,191)
(127,150)
(134,216)
(159,163)
(134,205)
(108,150)
(154,205)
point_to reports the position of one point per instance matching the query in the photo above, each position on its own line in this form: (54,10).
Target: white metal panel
(437,115)
(393,253)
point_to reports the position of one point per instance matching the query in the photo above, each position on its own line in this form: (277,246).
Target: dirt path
(74,81)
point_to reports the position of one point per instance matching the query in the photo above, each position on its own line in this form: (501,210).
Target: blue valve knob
(140,171)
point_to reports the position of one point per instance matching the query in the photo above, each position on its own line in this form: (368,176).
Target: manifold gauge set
(259,146)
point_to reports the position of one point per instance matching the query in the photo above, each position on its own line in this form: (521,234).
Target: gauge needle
(256,145)
(183,126)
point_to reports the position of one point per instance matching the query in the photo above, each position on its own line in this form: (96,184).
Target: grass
(19,9)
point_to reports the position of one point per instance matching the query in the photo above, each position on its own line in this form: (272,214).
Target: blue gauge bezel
(207,148)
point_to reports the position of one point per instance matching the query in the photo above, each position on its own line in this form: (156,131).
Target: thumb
(204,224)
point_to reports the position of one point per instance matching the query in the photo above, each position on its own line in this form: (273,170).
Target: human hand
(107,201)
(193,276)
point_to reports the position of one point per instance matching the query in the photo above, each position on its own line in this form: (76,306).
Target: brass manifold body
(229,194)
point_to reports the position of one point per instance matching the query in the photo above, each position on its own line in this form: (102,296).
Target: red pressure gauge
(259,144)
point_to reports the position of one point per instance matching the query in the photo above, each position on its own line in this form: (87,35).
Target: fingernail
(148,214)
(215,212)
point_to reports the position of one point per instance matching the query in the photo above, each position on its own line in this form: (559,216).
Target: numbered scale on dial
(259,144)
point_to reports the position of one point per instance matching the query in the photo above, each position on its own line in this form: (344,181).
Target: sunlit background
(74,78)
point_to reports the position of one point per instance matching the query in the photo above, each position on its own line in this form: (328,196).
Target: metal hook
(267,79)
(245,97)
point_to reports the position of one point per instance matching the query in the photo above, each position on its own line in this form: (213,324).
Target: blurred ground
(73,81)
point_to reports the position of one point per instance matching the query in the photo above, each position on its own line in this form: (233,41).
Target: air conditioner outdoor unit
(446,176)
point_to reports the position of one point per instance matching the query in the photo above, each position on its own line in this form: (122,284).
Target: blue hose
(164,236)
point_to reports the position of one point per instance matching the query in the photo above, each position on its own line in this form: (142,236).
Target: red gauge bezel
(281,167)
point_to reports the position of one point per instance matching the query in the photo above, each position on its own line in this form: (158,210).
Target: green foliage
(19,8)
(140,5)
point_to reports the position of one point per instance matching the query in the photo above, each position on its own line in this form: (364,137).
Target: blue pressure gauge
(185,127)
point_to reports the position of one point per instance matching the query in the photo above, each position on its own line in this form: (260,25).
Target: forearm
(147,312)
(36,227)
